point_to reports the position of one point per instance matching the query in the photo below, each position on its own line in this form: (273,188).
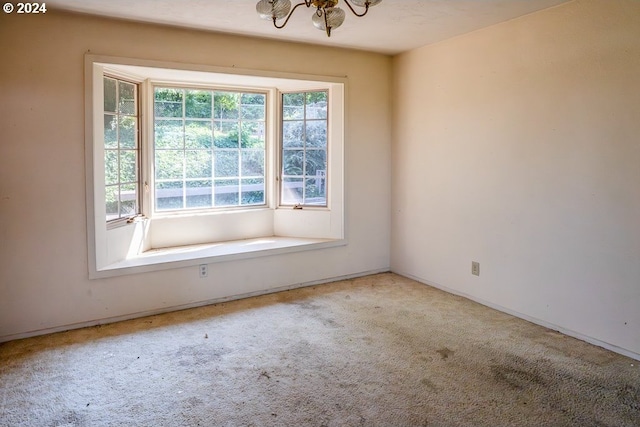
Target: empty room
(324,213)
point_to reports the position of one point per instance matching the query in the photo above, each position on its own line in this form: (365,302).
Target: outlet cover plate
(475,268)
(204,270)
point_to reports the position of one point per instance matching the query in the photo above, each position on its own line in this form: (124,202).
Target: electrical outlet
(475,268)
(204,270)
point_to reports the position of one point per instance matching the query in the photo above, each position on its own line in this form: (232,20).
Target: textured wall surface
(518,146)
(43,256)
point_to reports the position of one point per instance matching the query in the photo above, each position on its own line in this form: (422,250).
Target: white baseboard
(574,334)
(114,319)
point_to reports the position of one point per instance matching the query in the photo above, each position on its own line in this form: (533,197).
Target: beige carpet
(376,351)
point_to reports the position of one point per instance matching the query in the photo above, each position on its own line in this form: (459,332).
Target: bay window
(207,164)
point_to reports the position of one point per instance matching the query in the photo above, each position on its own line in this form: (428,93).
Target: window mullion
(118,162)
(304,149)
(184,151)
(239,174)
(214,151)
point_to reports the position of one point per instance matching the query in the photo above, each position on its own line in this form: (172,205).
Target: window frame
(281,149)
(151,208)
(114,222)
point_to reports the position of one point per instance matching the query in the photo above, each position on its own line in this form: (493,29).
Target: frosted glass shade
(361,3)
(335,18)
(269,9)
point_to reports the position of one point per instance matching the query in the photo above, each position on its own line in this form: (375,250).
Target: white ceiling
(391,27)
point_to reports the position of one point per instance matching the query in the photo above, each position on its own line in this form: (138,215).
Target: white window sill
(185,256)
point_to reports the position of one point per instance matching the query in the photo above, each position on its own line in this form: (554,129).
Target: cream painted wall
(44,281)
(518,146)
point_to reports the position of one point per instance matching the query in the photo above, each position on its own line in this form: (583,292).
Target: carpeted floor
(381,350)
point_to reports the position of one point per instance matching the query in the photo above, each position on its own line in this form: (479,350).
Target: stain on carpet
(430,385)
(445,353)
(630,397)
(305,305)
(70,419)
(516,378)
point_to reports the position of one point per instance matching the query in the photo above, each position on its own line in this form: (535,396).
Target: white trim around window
(162,240)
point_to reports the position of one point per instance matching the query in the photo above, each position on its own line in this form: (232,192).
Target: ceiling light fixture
(326,17)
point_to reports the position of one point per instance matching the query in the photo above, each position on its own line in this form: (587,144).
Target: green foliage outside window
(209,148)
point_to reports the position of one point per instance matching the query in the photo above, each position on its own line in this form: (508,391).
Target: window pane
(252,163)
(252,135)
(198,164)
(293,134)
(226,192)
(198,103)
(169,195)
(168,109)
(127,98)
(168,94)
(296,99)
(292,162)
(110,131)
(109,86)
(226,163)
(315,162)
(315,191)
(127,132)
(253,99)
(253,112)
(316,105)
(316,133)
(226,105)
(168,134)
(169,164)
(168,102)
(111,167)
(129,200)
(128,162)
(293,106)
(252,192)
(198,134)
(292,113)
(291,191)
(199,194)
(225,134)
(111,200)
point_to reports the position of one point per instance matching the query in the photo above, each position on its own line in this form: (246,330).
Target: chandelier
(326,17)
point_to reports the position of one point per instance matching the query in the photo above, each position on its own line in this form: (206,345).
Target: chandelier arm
(305,3)
(326,24)
(359,15)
